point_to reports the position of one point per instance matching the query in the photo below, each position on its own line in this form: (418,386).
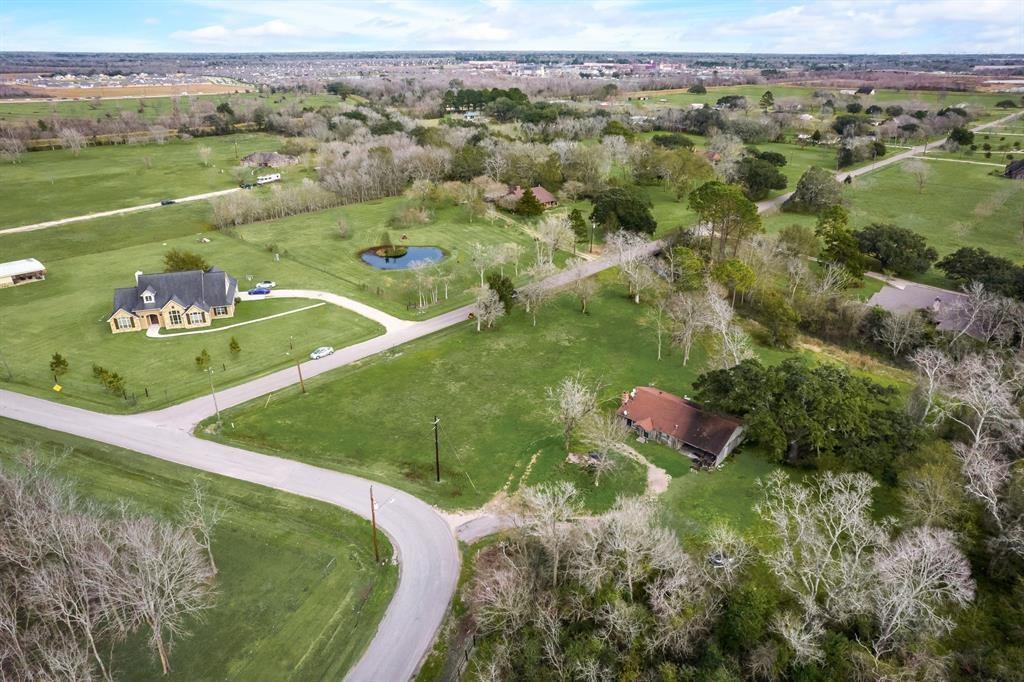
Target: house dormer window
(147,297)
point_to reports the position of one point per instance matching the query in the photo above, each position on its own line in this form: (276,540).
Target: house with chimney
(666,418)
(173,300)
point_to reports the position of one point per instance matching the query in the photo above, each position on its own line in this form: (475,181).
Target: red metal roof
(545,197)
(656,410)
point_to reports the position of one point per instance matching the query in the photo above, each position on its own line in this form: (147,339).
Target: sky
(786,26)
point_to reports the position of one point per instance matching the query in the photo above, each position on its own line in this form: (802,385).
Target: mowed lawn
(312,241)
(298,594)
(961,205)
(149,108)
(881,97)
(488,390)
(66,314)
(51,184)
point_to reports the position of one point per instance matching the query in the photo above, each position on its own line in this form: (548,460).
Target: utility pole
(209,371)
(373,522)
(298,366)
(437,451)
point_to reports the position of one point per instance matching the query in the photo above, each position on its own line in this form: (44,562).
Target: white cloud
(151,21)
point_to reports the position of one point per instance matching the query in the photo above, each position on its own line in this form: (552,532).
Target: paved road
(120,211)
(777,202)
(426,549)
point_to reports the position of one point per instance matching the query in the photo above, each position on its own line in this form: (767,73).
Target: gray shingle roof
(193,287)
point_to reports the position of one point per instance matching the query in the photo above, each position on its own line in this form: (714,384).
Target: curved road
(426,549)
(427,552)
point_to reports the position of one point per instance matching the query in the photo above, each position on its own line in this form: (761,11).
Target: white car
(266,284)
(321,352)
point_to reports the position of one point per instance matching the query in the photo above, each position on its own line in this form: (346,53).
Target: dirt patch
(129,91)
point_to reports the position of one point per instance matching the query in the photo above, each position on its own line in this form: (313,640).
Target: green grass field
(87,260)
(47,185)
(149,108)
(488,390)
(961,205)
(804,92)
(311,241)
(298,596)
(66,314)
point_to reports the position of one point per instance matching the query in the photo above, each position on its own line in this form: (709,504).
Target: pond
(413,254)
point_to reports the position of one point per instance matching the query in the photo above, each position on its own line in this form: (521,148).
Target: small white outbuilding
(21,271)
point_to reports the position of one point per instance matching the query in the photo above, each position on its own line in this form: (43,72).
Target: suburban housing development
(512,341)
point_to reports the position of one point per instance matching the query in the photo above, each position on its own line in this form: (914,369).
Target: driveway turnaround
(390,322)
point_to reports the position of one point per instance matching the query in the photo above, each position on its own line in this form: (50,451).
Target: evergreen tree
(528,204)
(203,360)
(767,100)
(234,346)
(58,366)
(579,225)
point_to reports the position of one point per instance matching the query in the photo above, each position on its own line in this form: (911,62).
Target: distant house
(21,271)
(1014,170)
(865,90)
(676,422)
(546,198)
(713,157)
(269,160)
(174,300)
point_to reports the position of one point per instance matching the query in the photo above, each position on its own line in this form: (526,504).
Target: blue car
(259,291)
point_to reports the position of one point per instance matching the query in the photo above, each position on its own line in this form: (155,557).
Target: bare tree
(533,297)
(548,509)
(825,534)
(72,140)
(204,152)
(164,581)
(11,148)
(487,308)
(688,315)
(482,256)
(583,288)
(553,234)
(932,365)
(202,516)
(732,343)
(982,314)
(918,170)
(921,575)
(986,474)
(900,331)
(570,402)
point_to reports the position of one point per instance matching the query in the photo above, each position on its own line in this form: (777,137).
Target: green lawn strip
(66,314)
(252,312)
(47,185)
(804,93)
(109,234)
(149,108)
(488,390)
(298,596)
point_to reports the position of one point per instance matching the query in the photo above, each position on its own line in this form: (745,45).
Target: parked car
(167,202)
(321,352)
(259,291)
(247,185)
(266,284)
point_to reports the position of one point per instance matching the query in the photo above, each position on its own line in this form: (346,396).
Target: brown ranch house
(173,300)
(666,418)
(544,197)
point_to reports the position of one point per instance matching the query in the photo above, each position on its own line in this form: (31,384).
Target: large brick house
(676,422)
(174,300)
